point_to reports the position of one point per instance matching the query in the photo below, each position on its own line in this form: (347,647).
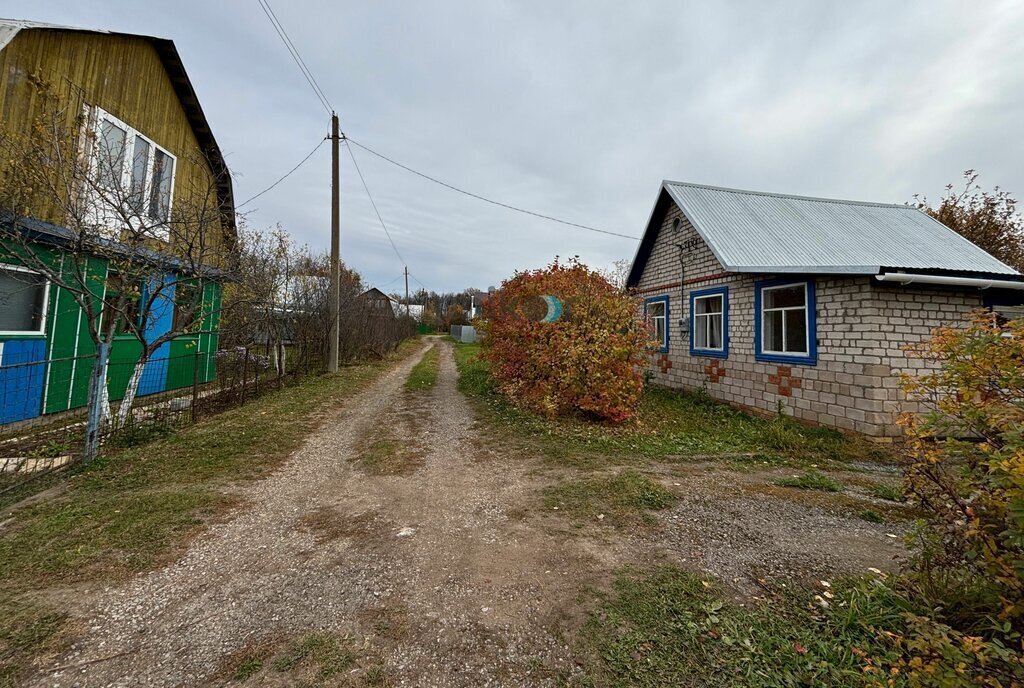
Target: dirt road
(396,549)
(428,572)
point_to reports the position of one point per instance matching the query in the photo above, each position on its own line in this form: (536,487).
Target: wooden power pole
(333,297)
(407,290)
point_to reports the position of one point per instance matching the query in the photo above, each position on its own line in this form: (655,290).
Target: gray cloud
(579,109)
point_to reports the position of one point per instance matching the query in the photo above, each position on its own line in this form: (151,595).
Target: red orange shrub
(584,362)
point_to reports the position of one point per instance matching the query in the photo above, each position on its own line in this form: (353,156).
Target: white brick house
(773,301)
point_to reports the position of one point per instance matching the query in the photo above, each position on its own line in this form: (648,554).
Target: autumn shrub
(966,471)
(584,362)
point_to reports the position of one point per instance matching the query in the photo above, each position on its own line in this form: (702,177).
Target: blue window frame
(656,310)
(785,327)
(709,322)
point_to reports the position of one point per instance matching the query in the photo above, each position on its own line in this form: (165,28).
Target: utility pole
(333,305)
(407,290)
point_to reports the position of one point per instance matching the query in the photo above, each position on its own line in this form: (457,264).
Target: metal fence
(43,403)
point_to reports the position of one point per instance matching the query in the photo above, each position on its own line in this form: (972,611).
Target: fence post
(195,385)
(96,383)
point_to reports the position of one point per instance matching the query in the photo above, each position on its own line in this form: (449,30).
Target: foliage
(280,302)
(586,362)
(670,424)
(988,219)
(966,471)
(812,480)
(671,627)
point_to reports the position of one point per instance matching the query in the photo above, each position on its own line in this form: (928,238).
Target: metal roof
(752,231)
(168,53)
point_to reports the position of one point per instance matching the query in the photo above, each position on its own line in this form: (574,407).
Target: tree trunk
(125,409)
(97,399)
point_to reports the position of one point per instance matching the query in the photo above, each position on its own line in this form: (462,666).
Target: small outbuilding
(805,305)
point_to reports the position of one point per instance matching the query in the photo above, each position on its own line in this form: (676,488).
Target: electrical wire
(489,200)
(374,204)
(299,62)
(287,174)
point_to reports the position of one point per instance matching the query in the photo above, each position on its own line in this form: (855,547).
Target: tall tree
(986,218)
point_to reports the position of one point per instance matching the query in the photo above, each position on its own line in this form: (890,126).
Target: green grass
(669,627)
(617,496)
(327,652)
(888,492)
(871,516)
(812,480)
(671,425)
(424,374)
(137,508)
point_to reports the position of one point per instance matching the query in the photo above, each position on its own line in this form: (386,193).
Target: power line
(294,52)
(489,200)
(287,174)
(370,196)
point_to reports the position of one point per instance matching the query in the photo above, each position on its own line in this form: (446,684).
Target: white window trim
(807,321)
(707,316)
(46,304)
(126,170)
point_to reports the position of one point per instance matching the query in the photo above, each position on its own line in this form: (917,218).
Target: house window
(709,322)
(23,296)
(785,322)
(656,310)
(137,177)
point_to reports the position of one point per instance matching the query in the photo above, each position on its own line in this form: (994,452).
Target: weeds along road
(390,550)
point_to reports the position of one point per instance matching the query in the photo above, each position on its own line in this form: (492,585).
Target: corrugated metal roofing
(751,231)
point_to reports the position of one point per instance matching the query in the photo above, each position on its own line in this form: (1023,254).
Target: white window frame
(807,321)
(663,302)
(707,316)
(131,133)
(46,303)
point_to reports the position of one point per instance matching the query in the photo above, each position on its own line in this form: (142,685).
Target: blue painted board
(22,370)
(160,321)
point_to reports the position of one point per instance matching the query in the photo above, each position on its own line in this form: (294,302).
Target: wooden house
(134,90)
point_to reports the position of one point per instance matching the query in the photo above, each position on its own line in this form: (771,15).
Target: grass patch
(424,374)
(669,627)
(812,480)
(888,492)
(386,456)
(871,516)
(135,509)
(671,425)
(617,496)
(330,655)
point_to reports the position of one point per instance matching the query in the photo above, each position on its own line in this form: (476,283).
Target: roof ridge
(816,199)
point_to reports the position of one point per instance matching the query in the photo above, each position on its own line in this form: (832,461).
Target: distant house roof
(9,28)
(752,231)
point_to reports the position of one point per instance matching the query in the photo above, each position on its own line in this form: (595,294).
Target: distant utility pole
(333,297)
(407,290)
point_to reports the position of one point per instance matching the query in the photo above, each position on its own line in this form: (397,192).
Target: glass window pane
(659,329)
(700,332)
(22,299)
(140,165)
(656,309)
(771,332)
(111,154)
(784,297)
(709,304)
(796,332)
(714,340)
(160,189)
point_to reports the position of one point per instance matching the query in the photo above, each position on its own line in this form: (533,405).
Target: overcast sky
(580,109)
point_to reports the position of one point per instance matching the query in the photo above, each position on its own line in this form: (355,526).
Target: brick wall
(861,327)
